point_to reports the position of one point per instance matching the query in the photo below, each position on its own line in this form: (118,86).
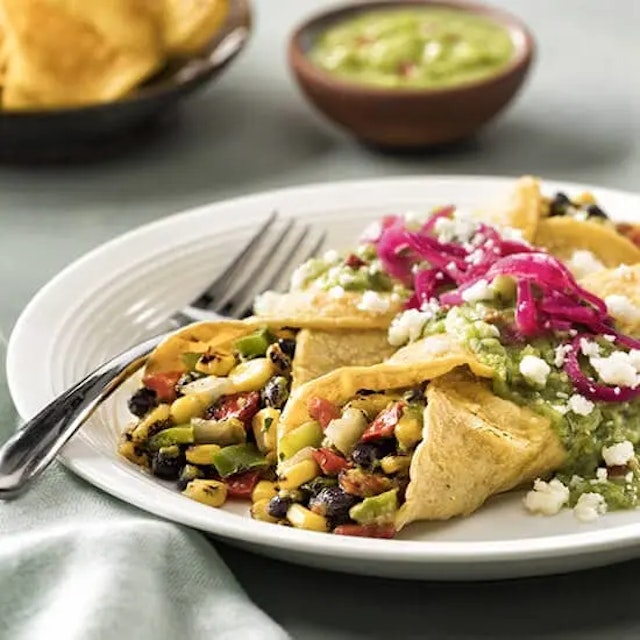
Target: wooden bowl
(409,118)
(96,131)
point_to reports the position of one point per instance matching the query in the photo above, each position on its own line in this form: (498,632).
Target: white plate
(103,303)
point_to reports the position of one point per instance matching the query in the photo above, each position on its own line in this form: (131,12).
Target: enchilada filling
(211,427)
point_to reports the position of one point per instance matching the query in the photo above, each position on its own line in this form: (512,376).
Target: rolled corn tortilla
(563,236)
(475,445)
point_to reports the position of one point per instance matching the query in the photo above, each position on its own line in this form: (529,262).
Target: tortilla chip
(316,309)
(341,385)
(624,281)
(563,235)
(475,445)
(522,211)
(318,352)
(69,53)
(190,24)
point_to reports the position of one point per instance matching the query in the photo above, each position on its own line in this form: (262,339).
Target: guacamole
(358,271)
(584,427)
(414,48)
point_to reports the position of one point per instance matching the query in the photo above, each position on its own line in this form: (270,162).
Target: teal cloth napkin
(78,564)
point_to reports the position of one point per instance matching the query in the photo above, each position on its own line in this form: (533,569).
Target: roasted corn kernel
(251,375)
(395,464)
(301,518)
(586,197)
(209,492)
(161,413)
(217,363)
(298,474)
(264,490)
(202,453)
(131,451)
(260,511)
(187,407)
(265,428)
(408,431)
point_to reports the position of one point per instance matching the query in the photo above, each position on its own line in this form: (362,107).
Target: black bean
(278,506)
(332,502)
(318,484)
(594,211)
(142,401)
(167,463)
(288,346)
(367,454)
(559,205)
(276,392)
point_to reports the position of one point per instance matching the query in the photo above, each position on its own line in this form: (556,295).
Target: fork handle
(34,446)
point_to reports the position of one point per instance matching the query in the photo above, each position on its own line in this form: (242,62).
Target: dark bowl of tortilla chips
(107,123)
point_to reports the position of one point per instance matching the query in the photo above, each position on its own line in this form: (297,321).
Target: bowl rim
(300,61)
(239,17)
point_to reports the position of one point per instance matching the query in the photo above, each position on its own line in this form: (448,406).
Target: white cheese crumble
(374,302)
(560,354)
(331,256)
(589,348)
(590,507)
(408,326)
(583,262)
(580,405)
(619,454)
(602,475)
(546,498)
(621,308)
(617,369)
(560,408)
(478,291)
(300,276)
(535,370)
(336,292)
(461,227)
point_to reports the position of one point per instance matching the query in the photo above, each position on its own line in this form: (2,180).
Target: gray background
(578,119)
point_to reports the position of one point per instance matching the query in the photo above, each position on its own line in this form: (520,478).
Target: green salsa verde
(480,326)
(414,48)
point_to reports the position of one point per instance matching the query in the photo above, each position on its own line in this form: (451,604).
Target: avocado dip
(414,48)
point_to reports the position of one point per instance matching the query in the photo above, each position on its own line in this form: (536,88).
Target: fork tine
(222,282)
(237,286)
(243,306)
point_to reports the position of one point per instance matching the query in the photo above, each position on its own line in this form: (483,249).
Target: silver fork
(263,264)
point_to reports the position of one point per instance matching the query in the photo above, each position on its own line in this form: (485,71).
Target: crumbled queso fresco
(374,302)
(621,308)
(582,263)
(535,370)
(408,326)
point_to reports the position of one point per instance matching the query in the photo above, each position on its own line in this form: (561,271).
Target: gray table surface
(577,119)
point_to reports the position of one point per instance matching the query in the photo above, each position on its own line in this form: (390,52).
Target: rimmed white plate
(105,301)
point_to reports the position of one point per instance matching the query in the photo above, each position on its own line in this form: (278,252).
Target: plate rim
(262,534)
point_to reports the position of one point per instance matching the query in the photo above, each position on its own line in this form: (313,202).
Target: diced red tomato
(366,530)
(384,423)
(242,484)
(330,463)
(164,384)
(242,406)
(323,411)
(353,261)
